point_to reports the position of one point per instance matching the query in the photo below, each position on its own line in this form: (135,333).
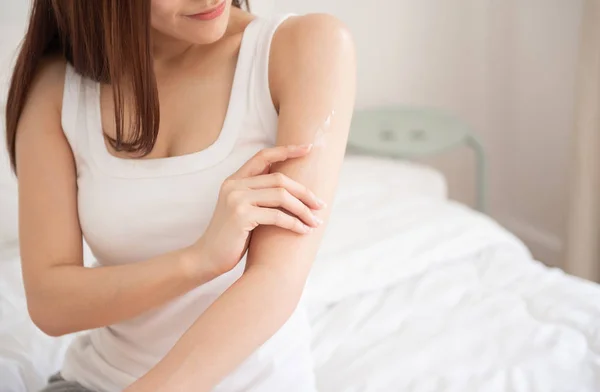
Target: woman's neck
(166,49)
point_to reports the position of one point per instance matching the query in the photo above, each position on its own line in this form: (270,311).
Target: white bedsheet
(27,356)
(426,295)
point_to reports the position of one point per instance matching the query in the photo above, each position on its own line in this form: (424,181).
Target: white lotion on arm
(321,135)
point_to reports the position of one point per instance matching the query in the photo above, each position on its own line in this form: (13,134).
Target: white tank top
(133,210)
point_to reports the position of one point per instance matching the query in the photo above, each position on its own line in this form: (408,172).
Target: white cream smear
(319,142)
(321,135)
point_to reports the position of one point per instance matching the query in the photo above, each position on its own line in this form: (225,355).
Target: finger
(261,162)
(275,217)
(281,198)
(280,180)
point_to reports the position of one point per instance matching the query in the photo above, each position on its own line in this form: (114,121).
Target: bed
(410,292)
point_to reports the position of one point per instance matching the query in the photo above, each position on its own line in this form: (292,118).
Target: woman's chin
(207,32)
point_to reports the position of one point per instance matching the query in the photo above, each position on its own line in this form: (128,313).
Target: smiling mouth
(210,14)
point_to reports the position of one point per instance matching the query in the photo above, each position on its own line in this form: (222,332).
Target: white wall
(507,67)
(13,16)
(534,99)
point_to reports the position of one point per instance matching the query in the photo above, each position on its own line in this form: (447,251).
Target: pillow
(369,175)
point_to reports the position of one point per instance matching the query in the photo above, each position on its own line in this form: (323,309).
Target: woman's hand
(252,197)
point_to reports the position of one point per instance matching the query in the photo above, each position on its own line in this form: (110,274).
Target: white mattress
(410,292)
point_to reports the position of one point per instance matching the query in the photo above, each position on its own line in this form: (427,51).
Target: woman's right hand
(252,197)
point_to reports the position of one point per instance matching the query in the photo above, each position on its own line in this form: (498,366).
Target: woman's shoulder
(307,44)
(314,29)
(309,35)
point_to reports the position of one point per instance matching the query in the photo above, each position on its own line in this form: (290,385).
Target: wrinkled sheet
(27,356)
(426,295)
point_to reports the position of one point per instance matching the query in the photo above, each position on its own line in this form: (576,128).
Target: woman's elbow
(49,327)
(46,320)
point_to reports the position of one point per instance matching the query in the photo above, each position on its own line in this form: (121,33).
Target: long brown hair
(107,41)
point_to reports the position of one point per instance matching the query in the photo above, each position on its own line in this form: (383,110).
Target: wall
(13,16)
(506,67)
(583,234)
(534,52)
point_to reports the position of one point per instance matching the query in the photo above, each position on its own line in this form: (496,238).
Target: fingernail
(321,203)
(317,220)
(307,229)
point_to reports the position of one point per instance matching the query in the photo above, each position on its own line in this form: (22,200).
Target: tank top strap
(75,115)
(263,31)
(72,94)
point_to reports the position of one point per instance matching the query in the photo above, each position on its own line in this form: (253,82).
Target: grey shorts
(58,384)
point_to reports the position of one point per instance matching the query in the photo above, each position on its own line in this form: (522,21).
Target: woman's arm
(63,296)
(313,84)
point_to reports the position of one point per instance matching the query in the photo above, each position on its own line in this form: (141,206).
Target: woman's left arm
(312,80)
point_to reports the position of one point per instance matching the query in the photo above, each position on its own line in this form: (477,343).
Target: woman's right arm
(62,295)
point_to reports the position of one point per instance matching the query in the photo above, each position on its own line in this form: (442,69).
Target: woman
(251,126)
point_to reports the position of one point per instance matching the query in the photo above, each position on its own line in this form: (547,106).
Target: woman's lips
(211,14)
